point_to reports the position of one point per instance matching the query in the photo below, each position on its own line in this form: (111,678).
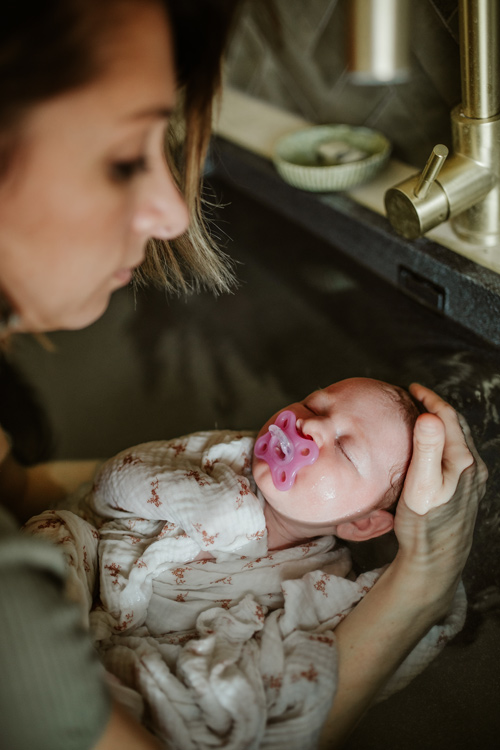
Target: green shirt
(52,692)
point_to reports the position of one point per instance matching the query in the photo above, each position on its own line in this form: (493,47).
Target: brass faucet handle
(431,170)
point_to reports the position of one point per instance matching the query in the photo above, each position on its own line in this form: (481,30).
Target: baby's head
(363,429)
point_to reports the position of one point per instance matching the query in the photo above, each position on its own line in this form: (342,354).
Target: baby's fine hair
(409,409)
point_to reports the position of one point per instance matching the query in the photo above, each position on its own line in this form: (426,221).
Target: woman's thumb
(425,474)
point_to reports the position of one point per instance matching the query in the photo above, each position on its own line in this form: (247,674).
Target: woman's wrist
(5,446)
(13,483)
(423,592)
(372,641)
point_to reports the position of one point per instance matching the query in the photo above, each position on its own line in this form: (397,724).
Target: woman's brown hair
(48,47)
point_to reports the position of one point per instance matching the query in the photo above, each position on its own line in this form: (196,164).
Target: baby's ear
(375,523)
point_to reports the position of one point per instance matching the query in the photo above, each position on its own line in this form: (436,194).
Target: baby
(200,513)
(361,432)
(208,570)
(330,464)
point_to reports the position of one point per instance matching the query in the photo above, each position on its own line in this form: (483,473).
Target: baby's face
(362,438)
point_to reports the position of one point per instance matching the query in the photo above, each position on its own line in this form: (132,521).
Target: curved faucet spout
(466,188)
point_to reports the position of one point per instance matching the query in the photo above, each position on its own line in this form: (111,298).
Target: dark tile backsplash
(303,69)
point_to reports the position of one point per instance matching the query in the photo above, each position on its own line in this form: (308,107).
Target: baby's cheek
(315,497)
(316,509)
(259,471)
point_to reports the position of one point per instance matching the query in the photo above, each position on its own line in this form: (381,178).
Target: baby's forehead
(364,389)
(370,400)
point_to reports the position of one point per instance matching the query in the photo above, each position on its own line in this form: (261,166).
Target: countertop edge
(450,283)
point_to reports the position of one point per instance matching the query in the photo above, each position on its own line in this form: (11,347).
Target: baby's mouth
(285,449)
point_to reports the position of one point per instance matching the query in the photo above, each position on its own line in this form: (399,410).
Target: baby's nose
(310,427)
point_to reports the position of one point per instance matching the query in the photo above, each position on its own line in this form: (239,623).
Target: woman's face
(89,184)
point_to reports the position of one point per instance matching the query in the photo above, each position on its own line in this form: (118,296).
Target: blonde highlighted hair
(409,409)
(201,29)
(193,260)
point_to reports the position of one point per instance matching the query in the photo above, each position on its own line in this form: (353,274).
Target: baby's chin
(289,506)
(305,525)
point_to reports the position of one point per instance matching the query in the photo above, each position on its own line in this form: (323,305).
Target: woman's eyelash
(122,171)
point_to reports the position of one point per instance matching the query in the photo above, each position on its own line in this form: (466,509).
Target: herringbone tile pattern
(302,67)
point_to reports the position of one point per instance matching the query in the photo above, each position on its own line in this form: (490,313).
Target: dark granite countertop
(437,277)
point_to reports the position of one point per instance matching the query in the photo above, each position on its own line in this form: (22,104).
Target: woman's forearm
(434,525)
(124,733)
(28,491)
(372,642)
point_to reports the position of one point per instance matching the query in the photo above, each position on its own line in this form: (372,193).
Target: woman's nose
(161,211)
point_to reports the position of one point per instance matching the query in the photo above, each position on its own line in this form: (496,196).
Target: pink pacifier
(285,450)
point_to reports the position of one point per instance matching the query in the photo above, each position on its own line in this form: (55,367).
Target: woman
(87,90)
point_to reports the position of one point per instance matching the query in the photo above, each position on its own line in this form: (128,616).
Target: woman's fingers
(443,450)
(429,398)
(445,482)
(460,454)
(424,480)
(456,456)
(482,471)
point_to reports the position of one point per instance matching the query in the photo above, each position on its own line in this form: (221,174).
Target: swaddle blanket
(212,640)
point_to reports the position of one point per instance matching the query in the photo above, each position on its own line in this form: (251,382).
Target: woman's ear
(375,523)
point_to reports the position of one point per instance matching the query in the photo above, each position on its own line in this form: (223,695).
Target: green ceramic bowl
(298,157)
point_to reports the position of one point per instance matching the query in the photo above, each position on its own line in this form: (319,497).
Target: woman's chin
(64,320)
(87,317)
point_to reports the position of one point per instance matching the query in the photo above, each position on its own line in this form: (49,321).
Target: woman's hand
(434,525)
(436,513)
(25,492)
(4,446)
(124,733)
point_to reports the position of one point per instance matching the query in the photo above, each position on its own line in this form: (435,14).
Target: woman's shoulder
(20,551)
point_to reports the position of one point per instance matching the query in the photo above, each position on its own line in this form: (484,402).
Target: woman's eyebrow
(160,112)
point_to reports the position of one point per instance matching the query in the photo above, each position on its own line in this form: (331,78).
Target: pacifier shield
(285,450)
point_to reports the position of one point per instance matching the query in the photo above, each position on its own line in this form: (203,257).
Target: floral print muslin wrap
(217,640)
(167,502)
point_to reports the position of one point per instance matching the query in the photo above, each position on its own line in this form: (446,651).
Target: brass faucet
(466,186)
